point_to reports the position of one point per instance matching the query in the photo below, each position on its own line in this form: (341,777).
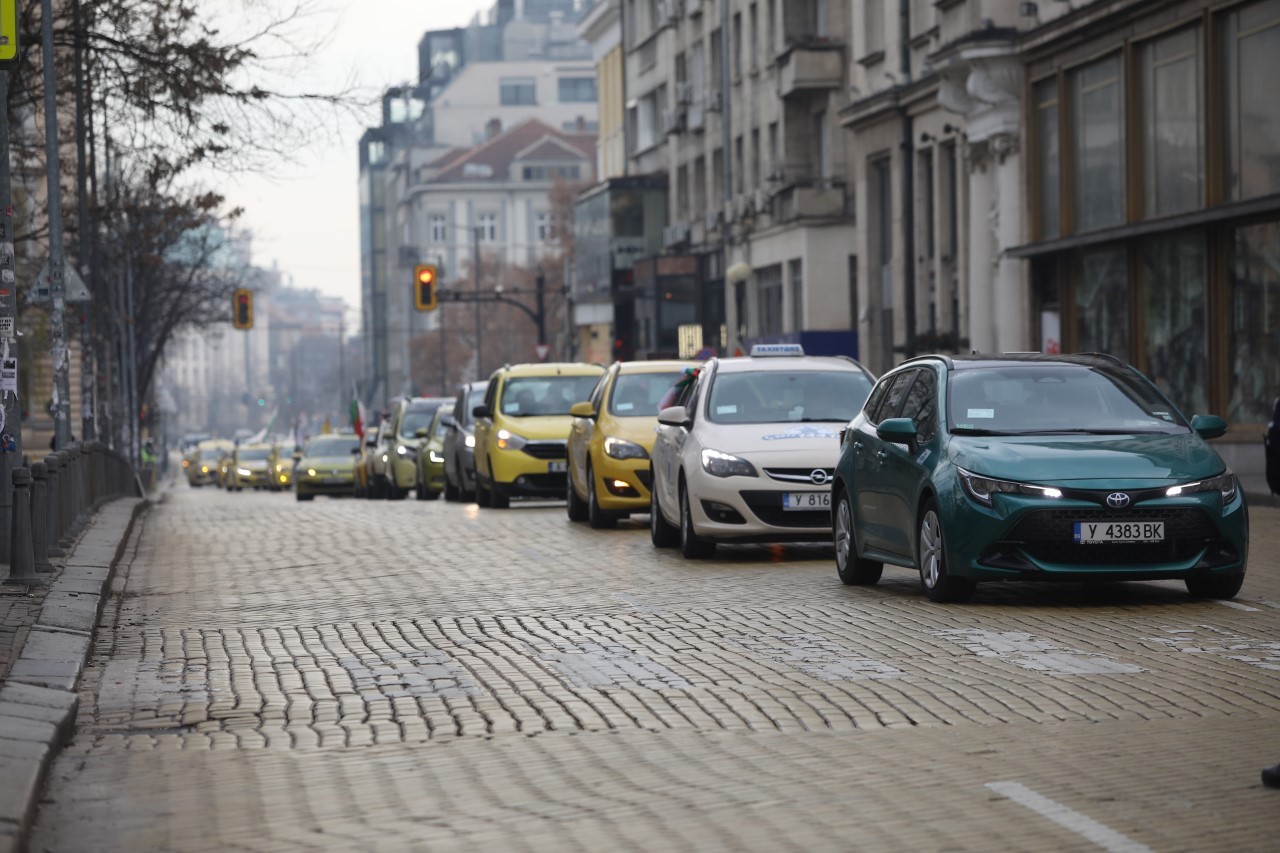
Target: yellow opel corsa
(611,438)
(522,429)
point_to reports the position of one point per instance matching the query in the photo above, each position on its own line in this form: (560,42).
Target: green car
(326,466)
(1069,468)
(429,481)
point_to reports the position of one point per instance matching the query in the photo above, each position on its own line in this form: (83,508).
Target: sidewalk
(45,636)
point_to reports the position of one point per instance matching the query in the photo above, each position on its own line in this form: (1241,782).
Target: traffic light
(242,309)
(424,287)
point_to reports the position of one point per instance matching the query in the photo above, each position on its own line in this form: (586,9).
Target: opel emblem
(818,476)
(1117,500)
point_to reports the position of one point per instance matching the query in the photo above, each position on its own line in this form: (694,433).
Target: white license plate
(1091,532)
(806,500)
(557,467)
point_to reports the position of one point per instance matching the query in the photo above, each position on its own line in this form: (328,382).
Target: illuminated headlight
(311,472)
(719,464)
(244,472)
(204,469)
(470,441)
(508,440)
(618,448)
(401,450)
(982,488)
(1224,484)
(384,457)
(434,457)
(284,478)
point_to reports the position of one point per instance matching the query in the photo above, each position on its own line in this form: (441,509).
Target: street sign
(8,34)
(542,351)
(73,286)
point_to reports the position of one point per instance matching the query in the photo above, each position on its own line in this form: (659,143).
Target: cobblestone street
(272,675)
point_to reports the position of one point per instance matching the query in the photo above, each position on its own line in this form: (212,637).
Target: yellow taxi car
(522,429)
(226,468)
(280,464)
(371,465)
(205,460)
(611,438)
(327,466)
(400,467)
(249,467)
(429,481)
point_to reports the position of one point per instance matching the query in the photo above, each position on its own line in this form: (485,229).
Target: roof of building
(529,140)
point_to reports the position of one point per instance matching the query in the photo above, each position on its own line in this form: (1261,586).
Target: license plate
(1091,532)
(557,467)
(334,481)
(806,500)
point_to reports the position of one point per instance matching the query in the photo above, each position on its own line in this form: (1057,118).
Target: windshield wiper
(824,420)
(1082,431)
(980,431)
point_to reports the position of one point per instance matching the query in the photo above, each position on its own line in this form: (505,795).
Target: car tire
(420,492)
(1216,586)
(302,497)
(482,494)
(452,493)
(662,532)
(574,506)
(931,559)
(498,499)
(597,516)
(852,569)
(692,546)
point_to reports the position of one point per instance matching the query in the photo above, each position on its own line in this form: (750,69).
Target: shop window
(1172,124)
(1102,303)
(1254,358)
(1251,59)
(1173,268)
(1099,144)
(1046,153)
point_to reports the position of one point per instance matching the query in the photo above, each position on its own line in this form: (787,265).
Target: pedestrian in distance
(1271,447)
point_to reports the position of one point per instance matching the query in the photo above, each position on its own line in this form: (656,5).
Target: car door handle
(857,445)
(882,454)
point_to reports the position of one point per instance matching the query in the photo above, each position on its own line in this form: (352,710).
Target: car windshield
(414,420)
(523,396)
(253,454)
(778,396)
(438,427)
(1057,399)
(324,447)
(638,394)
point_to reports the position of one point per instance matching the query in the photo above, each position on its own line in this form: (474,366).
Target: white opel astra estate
(747,451)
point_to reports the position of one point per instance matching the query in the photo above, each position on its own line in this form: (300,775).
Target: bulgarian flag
(358,414)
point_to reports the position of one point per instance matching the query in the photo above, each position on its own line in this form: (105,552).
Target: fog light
(283,478)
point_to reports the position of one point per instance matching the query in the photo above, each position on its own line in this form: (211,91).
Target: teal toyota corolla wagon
(1034,467)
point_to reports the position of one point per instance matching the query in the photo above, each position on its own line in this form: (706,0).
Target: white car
(748,451)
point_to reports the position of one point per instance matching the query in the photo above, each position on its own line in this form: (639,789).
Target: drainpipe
(907,146)
(726,172)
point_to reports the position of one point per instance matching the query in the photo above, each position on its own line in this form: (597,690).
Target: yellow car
(280,464)
(611,439)
(400,468)
(205,460)
(249,467)
(522,428)
(226,469)
(429,482)
(327,466)
(370,472)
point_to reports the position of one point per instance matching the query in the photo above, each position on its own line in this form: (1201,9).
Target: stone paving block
(55,645)
(87,554)
(92,574)
(18,728)
(48,673)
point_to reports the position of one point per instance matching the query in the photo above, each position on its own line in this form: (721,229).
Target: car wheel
(575,507)
(420,491)
(1216,586)
(661,532)
(451,492)
(482,494)
(597,517)
(692,546)
(302,497)
(497,498)
(852,569)
(931,557)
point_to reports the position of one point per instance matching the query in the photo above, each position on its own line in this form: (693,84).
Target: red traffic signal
(242,309)
(424,287)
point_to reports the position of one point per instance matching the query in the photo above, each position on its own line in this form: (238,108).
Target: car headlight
(434,457)
(204,469)
(982,488)
(311,472)
(244,472)
(719,464)
(470,441)
(508,440)
(401,450)
(1225,484)
(619,448)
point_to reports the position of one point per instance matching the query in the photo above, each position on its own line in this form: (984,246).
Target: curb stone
(38,699)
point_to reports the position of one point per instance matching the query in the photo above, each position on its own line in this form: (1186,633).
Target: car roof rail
(1105,356)
(945,359)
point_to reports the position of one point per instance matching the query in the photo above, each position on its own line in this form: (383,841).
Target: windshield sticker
(625,407)
(511,408)
(801,432)
(727,410)
(982,413)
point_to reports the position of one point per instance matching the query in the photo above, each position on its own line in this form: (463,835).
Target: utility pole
(88,371)
(57,256)
(11,413)
(475,264)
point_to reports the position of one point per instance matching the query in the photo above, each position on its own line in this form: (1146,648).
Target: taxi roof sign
(776,350)
(8,34)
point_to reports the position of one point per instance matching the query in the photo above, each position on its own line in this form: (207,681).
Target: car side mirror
(675,416)
(582,410)
(420,432)
(481,411)
(1208,426)
(898,431)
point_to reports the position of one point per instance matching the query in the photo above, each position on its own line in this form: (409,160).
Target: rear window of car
(777,396)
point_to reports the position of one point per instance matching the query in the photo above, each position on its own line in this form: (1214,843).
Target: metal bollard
(53,505)
(21,554)
(40,516)
(77,489)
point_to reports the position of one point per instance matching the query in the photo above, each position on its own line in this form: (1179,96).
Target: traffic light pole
(57,255)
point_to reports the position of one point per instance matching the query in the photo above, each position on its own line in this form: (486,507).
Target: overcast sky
(305,217)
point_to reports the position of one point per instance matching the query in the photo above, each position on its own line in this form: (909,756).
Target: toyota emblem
(1117,500)
(818,476)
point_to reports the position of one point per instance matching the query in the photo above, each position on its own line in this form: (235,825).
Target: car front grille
(1047,536)
(546,449)
(800,475)
(767,506)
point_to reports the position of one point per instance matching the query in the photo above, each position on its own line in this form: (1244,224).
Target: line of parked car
(963,468)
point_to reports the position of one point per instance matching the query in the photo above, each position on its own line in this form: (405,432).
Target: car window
(319,447)
(877,396)
(922,405)
(638,394)
(438,428)
(525,396)
(891,404)
(597,393)
(414,420)
(787,396)
(491,394)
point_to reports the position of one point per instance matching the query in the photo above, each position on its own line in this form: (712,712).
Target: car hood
(778,439)
(538,427)
(340,463)
(1090,461)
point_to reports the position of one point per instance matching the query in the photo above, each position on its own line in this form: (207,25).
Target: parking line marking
(1237,605)
(1068,818)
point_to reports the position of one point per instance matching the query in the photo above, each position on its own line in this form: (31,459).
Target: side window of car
(491,393)
(891,403)
(922,405)
(597,393)
(875,398)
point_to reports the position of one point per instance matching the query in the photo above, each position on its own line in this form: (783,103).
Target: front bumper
(404,471)
(518,473)
(751,509)
(256,480)
(324,483)
(622,485)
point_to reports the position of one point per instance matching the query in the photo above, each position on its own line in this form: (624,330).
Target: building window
(682,193)
(577,90)
(796,275)
(439,228)
(518,91)
(488,225)
(756,178)
(700,186)
(821,144)
(1174,321)
(753,36)
(1172,126)
(542,226)
(880,205)
(739,179)
(736,56)
(771,28)
(873,26)
(1102,303)
(550,173)
(1251,56)
(648,116)
(1047,157)
(1099,144)
(1254,358)
(769,301)
(717,177)
(716,52)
